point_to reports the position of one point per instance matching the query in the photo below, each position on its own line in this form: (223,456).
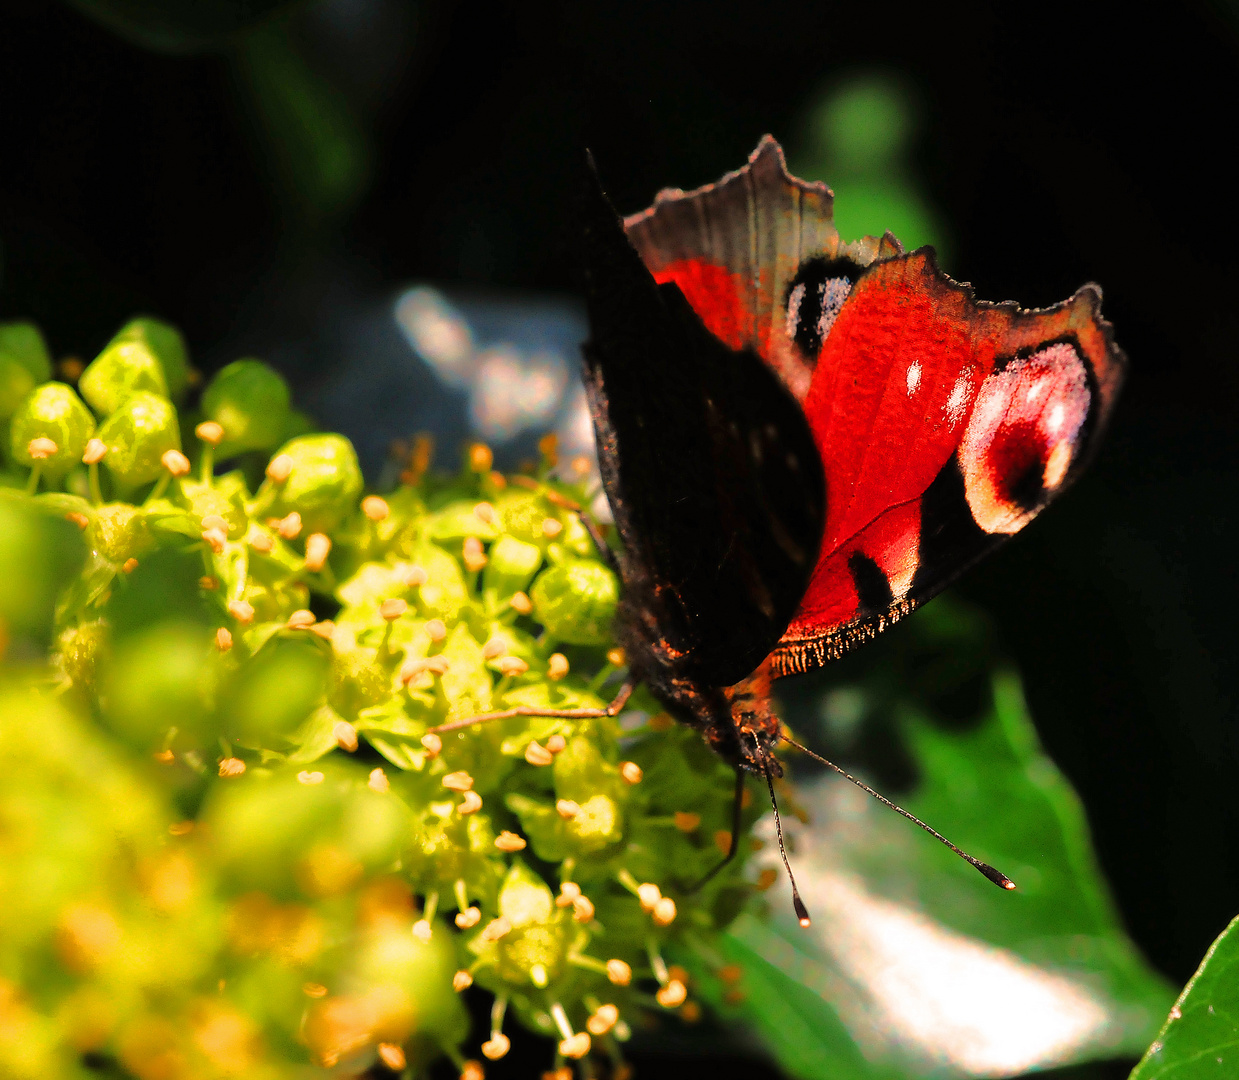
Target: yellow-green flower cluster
(232,840)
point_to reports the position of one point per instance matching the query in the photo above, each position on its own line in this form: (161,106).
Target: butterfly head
(753,726)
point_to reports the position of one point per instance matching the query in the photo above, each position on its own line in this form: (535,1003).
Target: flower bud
(52,412)
(576,602)
(125,367)
(511,566)
(322,484)
(121,531)
(139,431)
(250,401)
(163,342)
(24,363)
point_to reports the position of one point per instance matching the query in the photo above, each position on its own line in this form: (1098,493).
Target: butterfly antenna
(996,876)
(802,912)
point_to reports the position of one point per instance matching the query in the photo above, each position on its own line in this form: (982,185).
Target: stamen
(375,508)
(317,548)
(392,1056)
(520,603)
(279,468)
(631,772)
(619,973)
(346,736)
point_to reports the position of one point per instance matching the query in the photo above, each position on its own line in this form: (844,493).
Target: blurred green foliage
(232,844)
(858,137)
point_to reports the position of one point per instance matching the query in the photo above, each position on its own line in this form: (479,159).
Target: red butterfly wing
(944,426)
(735,248)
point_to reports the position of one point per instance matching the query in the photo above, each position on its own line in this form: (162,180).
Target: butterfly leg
(595,534)
(737,812)
(614,708)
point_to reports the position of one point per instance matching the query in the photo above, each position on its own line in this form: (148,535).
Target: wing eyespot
(814,299)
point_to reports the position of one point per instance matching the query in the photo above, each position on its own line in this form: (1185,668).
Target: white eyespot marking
(1056,465)
(833,292)
(1023,436)
(914,377)
(957,403)
(794,300)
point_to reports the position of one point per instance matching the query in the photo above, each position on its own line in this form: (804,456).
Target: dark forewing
(709,465)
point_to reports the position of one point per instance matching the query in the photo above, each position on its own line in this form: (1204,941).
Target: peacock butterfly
(802,439)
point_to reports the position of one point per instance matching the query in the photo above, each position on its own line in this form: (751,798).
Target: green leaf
(924,963)
(1201,1036)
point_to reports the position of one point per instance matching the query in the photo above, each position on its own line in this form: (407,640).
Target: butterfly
(802,439)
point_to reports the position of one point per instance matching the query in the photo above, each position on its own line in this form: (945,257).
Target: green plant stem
(96,490)
(32,484)
(207,474)
(161,485)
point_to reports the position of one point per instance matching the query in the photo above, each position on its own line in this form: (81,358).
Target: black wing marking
(712,474)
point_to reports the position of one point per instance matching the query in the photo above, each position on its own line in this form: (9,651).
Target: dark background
(1060,144)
